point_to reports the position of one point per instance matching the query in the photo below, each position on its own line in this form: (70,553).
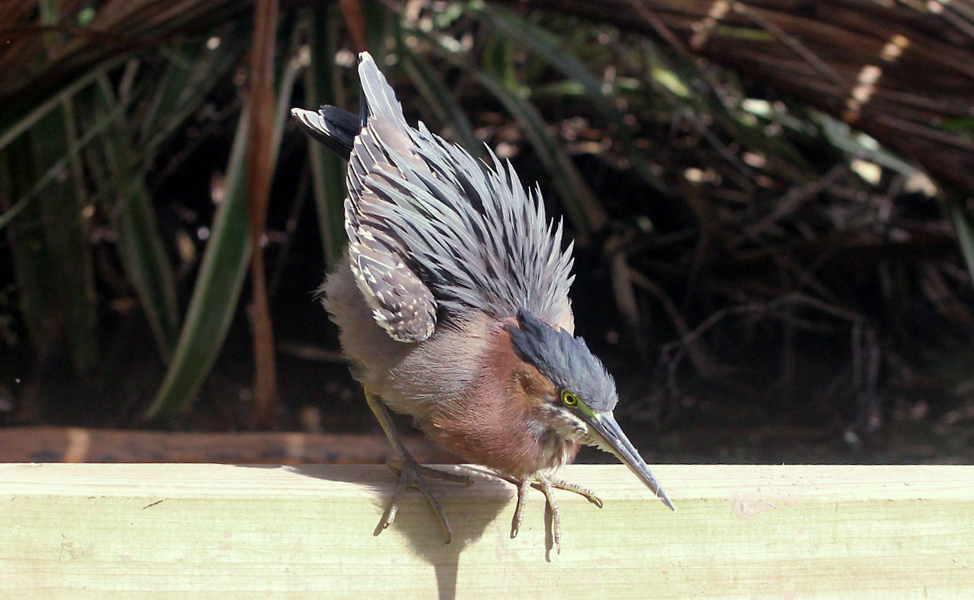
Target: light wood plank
(220,531)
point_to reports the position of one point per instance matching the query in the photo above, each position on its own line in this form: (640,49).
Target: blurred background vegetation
(771,203)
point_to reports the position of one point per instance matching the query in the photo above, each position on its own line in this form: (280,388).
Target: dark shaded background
(758,297)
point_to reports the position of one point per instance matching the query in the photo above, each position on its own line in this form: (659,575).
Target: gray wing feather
(401,303)
(469,231)
(431,228)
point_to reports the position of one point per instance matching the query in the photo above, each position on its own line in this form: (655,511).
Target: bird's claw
(413,474)
(586,493)
(546,485)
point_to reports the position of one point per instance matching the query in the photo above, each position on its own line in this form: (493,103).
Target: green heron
(452,303)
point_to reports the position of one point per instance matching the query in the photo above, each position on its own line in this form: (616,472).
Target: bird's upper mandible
(434,232)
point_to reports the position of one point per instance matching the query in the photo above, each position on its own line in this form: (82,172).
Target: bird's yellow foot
(546,485)
(412,473)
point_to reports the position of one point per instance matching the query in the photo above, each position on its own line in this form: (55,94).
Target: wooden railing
(221,531)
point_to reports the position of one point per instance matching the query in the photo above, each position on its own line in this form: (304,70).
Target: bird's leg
(411,473)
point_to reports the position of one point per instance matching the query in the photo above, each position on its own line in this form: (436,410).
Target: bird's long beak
(613,440)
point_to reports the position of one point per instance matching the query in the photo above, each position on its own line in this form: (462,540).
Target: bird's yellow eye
(569,398)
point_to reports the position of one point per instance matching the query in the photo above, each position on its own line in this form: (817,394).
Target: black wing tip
(333,127)
(311,123)
(304,117)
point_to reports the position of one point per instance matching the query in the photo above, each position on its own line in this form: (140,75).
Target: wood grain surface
(223,531)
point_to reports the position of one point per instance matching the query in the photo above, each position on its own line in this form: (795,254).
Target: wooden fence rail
(220,531)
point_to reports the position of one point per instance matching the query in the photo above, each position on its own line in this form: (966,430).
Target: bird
(452,307)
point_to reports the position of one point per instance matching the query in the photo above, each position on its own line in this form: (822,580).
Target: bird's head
(585,393)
